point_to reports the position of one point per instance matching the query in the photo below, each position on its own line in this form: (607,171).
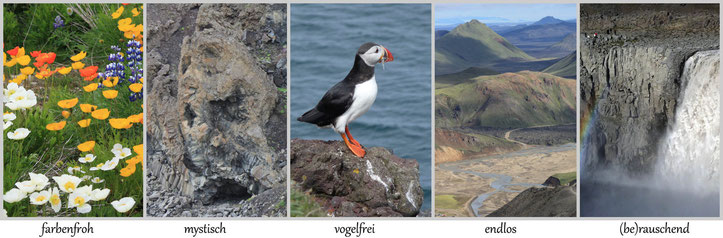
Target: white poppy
(11,89)
(9,116)
(14,195)
(86,177)
(97,180)
(97,167)
(110,165)
(40,198)
(79,200)
(120,152)
(99,194)
(87,158)
(19,134)
(86,190)
(7,124)
(67,183)
(39,180)
(26,186)
(22,100)
(124,204)
(72,170)
(55,202)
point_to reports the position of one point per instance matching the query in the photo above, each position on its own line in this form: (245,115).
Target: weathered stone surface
(216,136)
(380,184)
(630,76)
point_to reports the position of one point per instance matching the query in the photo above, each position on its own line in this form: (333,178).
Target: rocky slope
(559,201)
(380,184)
(631,61)
(216,136)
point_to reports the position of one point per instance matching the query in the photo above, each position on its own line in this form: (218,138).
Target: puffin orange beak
(387,56)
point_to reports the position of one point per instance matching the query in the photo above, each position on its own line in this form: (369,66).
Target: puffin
(350,98)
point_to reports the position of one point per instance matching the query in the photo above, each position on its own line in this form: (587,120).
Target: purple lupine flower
(58,22)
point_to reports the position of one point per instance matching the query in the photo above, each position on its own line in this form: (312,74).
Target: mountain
(566,67)
(552,32)
(462,76)
(502,28)
(536,39)
(506,100)
(473,44)
(440,33)
(569,43)
(548,20)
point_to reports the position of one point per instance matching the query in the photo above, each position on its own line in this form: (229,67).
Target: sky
(448,14)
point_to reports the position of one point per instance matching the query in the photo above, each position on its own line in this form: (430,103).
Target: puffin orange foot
(355,148)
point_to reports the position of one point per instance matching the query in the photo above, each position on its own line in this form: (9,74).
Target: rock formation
(216,127)
(380,184)
(630,66)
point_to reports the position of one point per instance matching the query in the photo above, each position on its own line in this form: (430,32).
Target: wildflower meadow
(73,110)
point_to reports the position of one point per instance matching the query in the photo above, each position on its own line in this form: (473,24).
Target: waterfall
(689,153)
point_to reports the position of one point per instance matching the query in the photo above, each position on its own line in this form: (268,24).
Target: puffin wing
(334,103)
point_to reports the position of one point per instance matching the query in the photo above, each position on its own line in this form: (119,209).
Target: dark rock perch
(560,201)
(215,144)
(551,182)
(380,184)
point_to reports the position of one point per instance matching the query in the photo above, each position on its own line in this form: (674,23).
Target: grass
(303,204)
(446,201)
(566,178)
(52,152)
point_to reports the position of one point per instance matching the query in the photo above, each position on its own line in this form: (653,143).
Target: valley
(505,116)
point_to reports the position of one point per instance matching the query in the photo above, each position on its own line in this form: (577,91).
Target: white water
(689,153)
(685,180)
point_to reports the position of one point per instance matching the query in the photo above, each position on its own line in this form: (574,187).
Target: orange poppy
(100,114)
(110,94)
(88,71)
(86,146)
(84,123)
(68,103)
(55,126)
(120,123)
(90,87)
(87,107)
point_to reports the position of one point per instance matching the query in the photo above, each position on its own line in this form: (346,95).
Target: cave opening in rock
(230,191)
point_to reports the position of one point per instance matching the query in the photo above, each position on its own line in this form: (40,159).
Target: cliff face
(216,132)
(380,184)
(631,60)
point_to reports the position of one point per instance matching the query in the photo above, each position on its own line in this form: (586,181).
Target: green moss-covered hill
(506,100)
(473,44)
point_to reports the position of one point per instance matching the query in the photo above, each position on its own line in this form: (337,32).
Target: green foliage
(86,26)
(303,205)
(566,178)
(52,152)
(446,201)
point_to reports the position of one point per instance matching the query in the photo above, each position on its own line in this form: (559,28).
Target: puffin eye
(377,51)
